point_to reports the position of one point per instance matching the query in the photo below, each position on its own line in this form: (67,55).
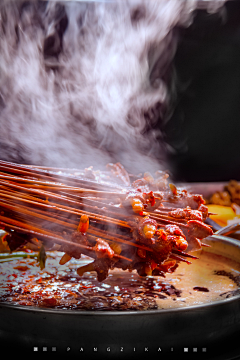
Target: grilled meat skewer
(147,225)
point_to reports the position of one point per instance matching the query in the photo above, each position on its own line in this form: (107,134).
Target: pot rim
(191,308)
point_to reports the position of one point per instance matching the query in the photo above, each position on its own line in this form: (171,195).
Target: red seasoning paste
(23,283)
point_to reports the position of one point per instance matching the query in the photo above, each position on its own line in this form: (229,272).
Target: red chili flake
(14,275)
(21,267)
(25,289)
(50,301)
(32,263)
(153,265)
(86,287)
(161,233)
(25,302)
(152,198)
(201,288)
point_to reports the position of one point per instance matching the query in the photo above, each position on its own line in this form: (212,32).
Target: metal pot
(210,330)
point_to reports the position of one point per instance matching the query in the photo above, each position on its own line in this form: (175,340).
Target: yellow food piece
(116,247)
(224,213)
(137,205)
(149,231)
(86,268)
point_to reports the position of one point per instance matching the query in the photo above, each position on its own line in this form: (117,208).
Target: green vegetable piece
(41,258)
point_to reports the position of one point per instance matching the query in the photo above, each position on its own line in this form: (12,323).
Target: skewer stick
(47,236)
(166,217)
(104,235)
(53,169)
(68,224)
(55,186)
(164,222)
(15,199)
(40,196)
(182,253)
(40,173)
(72,202)
(110,211)
(179,258)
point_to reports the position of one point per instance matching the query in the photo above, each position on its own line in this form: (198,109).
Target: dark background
(204,128)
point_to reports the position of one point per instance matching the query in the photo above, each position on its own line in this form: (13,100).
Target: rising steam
(87,83)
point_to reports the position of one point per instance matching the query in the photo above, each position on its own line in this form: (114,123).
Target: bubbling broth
(211,278)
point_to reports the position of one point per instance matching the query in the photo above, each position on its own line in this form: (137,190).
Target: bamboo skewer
(34,199)
(14,225)
(53,186)
(44,204)
(166,217)
(73,225)
(68,224)
(67,179)
(103,234)
(69,201)
(179,258)
(161,219)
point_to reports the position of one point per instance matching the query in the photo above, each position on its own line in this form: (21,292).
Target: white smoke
(83,83)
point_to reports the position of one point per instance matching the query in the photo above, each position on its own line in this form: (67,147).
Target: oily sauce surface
(205,280)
